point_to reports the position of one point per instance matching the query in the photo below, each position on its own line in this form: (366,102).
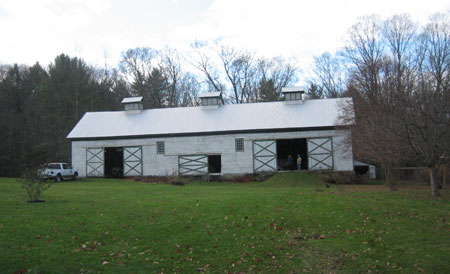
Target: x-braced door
(264,155)
(320,153)
(95,162)
(132,161)
(193,164)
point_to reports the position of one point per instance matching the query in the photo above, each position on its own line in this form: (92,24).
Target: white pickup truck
(58,171)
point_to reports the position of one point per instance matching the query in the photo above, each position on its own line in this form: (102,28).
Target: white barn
(212,138)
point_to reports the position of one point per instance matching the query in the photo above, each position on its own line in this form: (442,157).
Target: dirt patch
(152,179)
(345,189)
(245,178)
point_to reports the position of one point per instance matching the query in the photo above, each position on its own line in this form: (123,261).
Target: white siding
(232,162)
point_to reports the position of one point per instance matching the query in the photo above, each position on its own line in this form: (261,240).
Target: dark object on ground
(341,178)
(117,172)
(214,178)
(245,178)
(327,185)
(35,201)
(178,183)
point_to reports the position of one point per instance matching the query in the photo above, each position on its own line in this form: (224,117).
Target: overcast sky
(39,30)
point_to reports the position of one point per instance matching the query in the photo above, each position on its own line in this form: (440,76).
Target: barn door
(132,161)
(95,162)
(193,164)
(264,155)
(320,153)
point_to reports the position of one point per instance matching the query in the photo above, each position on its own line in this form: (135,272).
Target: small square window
(160,148)
(239,144)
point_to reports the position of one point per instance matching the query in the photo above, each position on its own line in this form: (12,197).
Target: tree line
(40,105)
(398,74)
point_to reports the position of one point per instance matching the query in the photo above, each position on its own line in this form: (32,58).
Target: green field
(290,223)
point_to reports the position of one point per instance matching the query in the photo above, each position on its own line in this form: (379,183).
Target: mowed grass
(291,223)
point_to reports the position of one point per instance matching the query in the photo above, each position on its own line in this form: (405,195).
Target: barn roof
(292,89)
(210,94)
(229,118)
(132,100)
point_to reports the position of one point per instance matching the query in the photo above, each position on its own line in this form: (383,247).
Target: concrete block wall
(232,162)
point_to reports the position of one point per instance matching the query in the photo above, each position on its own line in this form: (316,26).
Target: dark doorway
(114,162)
(361,170)
(293,147)
(214,164)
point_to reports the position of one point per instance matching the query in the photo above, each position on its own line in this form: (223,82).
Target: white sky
(39,30)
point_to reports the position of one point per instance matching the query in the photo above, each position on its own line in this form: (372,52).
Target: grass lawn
(290,223)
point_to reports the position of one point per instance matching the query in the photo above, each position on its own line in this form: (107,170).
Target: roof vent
(293,95)
(132,105)
(211,100)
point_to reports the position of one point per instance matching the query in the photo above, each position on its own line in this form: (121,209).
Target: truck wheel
(58,178)
(75,175)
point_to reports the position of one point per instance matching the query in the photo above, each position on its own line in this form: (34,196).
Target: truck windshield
(53,166)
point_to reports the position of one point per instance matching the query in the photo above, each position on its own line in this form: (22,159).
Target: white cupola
(132,105)
(211,100)
(293,95)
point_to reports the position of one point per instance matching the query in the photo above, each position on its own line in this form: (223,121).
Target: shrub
(178,180)
(34,185)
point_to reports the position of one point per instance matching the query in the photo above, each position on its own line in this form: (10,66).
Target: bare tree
(171,68)
(201,59)
(137,65)
(376,135)
(400,33)
(282,71)
(364,51)
(189,89)
(239,69)
(400,82)
(427,116)
(243,73)
(330,73)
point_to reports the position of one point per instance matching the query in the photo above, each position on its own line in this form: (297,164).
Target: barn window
(210,99)
(239,143)
(293,96)
(160,149)
(293,93)
(135,106)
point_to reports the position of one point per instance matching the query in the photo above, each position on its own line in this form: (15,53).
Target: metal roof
(132,100)
(358,163)
(292,89)
(227,118)
(210,94)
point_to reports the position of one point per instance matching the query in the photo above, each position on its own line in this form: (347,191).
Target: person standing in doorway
(290,162)
(299,162)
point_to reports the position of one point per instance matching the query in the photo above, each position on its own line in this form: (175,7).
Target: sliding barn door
(95,162)
(320,153)
(193,164)
(132,161)
(264,155)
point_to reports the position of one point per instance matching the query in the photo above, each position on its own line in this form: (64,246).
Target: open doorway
(214,164)
(114,162)
(293,147)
